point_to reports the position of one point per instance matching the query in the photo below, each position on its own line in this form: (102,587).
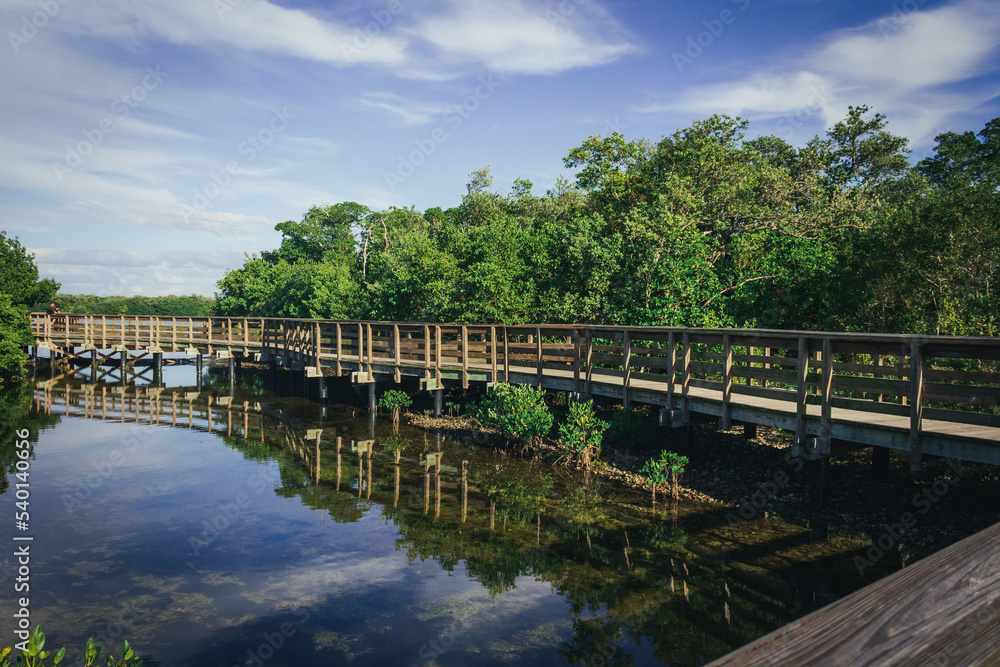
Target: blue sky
(146,145)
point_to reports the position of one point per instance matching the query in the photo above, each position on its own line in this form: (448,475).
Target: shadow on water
(621,583)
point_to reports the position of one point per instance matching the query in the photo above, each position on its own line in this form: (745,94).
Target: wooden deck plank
(943,610)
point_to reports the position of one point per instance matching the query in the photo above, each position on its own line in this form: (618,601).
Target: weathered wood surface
(944,610)
(919,394)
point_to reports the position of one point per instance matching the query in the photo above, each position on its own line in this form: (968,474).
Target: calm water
(219,546)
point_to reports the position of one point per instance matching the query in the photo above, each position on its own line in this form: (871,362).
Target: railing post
(726,419)
(671,340)
(538,357)
(826,414)
(318,350)
(686,378)
(427,352)
(437,353)
(626,366)
(465,357)
(398,351)
(369,353)
(493,353)
(916,405)
(340,348)
(589,361)
(576,363)
(506,357)
(800,396)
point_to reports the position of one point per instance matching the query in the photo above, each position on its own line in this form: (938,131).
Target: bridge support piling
(232,374)
(819,486)
(438,402)
(372,399)
(323,393)
(157,368)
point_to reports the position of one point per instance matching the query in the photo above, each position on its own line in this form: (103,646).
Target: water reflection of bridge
(943,606)
(449,507)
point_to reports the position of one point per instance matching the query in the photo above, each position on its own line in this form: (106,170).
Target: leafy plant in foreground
(35,656)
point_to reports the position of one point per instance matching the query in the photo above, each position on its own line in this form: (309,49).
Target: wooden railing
(896,379)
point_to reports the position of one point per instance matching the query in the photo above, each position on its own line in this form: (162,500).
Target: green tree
(20,289)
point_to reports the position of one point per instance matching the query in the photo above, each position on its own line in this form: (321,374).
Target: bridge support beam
(438,402)
(372,399)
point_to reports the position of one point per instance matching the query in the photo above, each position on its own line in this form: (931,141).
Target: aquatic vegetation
(395,400)
(582,433)
(395,445)
(669,465)
(517,411)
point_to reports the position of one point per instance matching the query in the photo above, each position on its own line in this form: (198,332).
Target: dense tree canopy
(703,228)
(20,288)
(90,304)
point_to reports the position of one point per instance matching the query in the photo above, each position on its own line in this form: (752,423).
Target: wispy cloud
(403,111)
(243,25)
(506,36)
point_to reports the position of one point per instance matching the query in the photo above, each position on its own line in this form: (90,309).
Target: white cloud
(899,65)
(508,37)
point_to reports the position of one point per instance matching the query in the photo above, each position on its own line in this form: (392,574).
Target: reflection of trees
(595,643)
(585,511)
(15,415)
(619,589)
(494,560)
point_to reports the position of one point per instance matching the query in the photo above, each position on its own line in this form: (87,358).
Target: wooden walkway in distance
(942,610)
(918,394)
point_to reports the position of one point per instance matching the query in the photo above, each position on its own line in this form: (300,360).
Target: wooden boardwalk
(944,610)
(919,394)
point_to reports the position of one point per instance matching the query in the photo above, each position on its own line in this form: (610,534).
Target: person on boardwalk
(52,309)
